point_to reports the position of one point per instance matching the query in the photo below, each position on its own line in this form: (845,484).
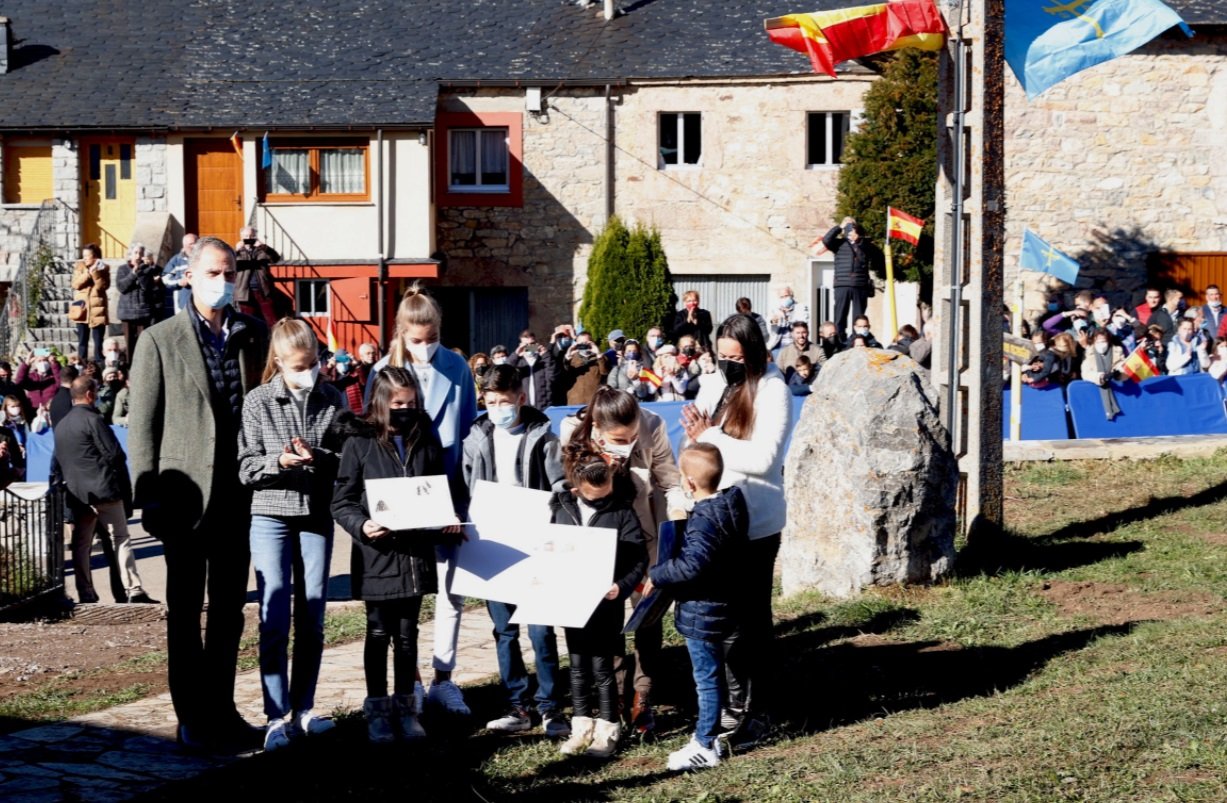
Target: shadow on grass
(1012,552)
(1144,511)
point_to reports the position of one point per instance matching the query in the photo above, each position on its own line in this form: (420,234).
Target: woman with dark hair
(89,311)
(390,571)
(745,411)
(616,426)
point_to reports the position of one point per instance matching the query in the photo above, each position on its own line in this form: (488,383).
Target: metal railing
(31,546)
(20,310)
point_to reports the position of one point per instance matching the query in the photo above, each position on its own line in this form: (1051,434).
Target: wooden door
(214,188)
(109,188)
(1192,273)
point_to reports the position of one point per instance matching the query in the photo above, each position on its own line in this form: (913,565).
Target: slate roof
(190,64)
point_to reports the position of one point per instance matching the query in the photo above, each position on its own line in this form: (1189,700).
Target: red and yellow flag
(650,377)
(830,37)
(1139,366)
(903,226)
(236,143)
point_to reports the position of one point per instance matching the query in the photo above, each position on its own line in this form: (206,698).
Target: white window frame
(505,187)
(298,294)
(830,117)
(681,145)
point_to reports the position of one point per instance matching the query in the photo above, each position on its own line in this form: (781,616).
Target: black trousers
(589,671)
(845,298)
(391,622)
(213,558)
(748,658)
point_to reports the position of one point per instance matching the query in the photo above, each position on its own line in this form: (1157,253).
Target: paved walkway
(118,753)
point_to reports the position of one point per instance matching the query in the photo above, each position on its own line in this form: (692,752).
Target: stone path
(121,752)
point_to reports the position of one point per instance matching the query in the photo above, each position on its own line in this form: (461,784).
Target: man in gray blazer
(188,379)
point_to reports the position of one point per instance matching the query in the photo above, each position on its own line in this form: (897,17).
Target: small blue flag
(266,160)
(1046,41)
(1039,256)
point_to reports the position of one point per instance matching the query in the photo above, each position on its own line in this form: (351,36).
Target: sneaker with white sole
(446,695)
(555,725)
(694,756)
(308,723)
(276,735)
(514,721)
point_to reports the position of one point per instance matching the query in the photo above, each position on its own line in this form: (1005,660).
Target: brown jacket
(588,374)
(92,289)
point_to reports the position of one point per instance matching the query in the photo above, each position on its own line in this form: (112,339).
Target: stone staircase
(55,330)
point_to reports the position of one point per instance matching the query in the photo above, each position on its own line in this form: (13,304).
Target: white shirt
(506,448)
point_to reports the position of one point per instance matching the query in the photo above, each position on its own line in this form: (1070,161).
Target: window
(27,174)
(826,132)
(477,159)
(317,171)
(313,299)
(681,139)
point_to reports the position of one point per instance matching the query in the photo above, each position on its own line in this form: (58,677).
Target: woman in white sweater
(745,411)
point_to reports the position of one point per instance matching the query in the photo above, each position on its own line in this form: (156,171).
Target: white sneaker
(276,735)
(555,725)
(605,736)
(694,756)
(514,721)
(447,696)
(308,723)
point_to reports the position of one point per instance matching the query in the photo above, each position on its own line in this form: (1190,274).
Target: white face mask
(215,292)
(1216,304)
(14,412)
(1101,347)
(423,352)
(862,331)
(302,380)
(500,360)
(622,451)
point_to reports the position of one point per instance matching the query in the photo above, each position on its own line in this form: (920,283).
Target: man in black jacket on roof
(855,258)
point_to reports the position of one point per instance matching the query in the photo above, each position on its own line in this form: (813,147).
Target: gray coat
(538,465)
(173,432)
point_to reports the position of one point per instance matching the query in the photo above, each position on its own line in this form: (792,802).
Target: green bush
(629,287)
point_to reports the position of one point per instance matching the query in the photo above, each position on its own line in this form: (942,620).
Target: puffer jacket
(141,294)
(92,289)
(705,577)
(853,262)
(401,564)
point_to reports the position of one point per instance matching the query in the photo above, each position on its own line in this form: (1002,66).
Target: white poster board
(506,520)
(567,574)
(411,503)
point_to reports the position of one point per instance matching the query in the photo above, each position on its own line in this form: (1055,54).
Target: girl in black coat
(597,498)
(391,571)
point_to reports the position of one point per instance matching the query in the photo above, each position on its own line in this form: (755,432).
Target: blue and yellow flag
(1039,256)
(1046,41)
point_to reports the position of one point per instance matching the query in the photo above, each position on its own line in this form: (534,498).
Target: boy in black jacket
(704,580)
(513,444)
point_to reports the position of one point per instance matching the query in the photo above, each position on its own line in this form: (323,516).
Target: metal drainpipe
(382,294)
(956,230)
(609,154)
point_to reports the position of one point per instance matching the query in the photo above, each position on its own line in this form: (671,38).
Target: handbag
(78,312)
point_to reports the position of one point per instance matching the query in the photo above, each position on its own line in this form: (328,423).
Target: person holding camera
(253,290)
(586,369)
(141,295)
(855,256)
(536,367)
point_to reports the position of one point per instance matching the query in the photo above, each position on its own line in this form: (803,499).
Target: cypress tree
(628,282)
(892,159)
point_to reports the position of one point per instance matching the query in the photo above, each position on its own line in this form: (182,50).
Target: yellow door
(109,186)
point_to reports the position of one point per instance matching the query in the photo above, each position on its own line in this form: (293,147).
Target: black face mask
(601,505)
(734,372)
(402,419)
(482,370)
(249,241)
(689,351)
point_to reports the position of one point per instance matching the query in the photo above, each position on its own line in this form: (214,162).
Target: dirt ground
(1112,603)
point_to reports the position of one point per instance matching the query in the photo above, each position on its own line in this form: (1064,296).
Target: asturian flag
(1039,256)
(1046,41)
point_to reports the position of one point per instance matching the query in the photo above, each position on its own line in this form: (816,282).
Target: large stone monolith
(870,479)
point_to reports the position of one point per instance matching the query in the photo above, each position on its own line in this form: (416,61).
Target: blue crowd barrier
(1162,405)
(1043,414)
(40,448)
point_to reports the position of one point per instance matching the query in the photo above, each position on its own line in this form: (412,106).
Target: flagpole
(890,283)
(1016,386)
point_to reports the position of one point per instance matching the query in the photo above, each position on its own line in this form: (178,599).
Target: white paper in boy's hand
(411,503)
(507,520)
(568,572)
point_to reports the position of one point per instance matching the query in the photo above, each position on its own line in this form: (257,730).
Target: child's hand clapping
(612,593)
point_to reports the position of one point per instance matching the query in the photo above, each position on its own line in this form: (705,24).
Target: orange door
(108,184)
(214,188)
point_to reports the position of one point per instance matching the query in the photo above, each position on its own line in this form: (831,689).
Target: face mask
(1101,347)
(14,412)
(655,342)
(343,368)
(787,302)
(689,351)
(500,360)
(1215,304)
(734,372)
(111,356)
(1186,336)
(401,418)
(504,417)
(1101,314)
(622,451)
(483,368)
(423,352)
(1053,306)
(632,355)
(302,379)
(530,357)
(861,331)
(564,343)
(214,293)
(42,367)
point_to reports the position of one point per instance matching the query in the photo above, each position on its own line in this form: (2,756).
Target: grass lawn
(1082,658)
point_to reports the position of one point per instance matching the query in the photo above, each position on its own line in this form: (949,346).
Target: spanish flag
(903,226)
(650,377)
(830,37)
(1139,366)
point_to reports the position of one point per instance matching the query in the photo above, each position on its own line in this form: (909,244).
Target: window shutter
(27,175)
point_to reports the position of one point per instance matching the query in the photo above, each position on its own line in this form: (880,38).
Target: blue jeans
(707,663)
(279,546)
(511,663)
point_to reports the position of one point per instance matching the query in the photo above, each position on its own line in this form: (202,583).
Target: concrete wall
(1127,157)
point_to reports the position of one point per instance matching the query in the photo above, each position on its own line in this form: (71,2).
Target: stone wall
(151,174)
(751,207)
(1119,161)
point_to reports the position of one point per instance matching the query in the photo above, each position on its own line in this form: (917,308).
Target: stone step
(52,334)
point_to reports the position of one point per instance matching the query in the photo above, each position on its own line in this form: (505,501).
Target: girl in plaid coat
(289,453)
